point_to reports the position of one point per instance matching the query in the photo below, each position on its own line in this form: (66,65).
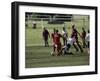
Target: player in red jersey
(57,43)
(74,36)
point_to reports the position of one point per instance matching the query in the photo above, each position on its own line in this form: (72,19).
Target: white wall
(5,40)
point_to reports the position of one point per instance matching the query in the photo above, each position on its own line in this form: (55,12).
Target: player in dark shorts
(46,35)
(83,37)
(74,36)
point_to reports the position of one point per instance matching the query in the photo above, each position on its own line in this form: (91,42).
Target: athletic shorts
(74,40)
(68,46)
(58,46)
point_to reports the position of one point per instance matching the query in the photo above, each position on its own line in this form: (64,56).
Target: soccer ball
(52,53)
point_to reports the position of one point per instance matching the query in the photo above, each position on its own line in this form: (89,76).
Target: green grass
(36,55)
(39,56)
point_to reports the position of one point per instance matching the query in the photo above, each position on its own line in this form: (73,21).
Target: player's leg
(55,49)
(83,41)
(66,50)
(44,42)
(47,43)
(64,41)
(59,50)
(75,47)
(79,45)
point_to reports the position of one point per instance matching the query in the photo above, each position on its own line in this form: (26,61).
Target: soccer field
(36,55)
(39,56)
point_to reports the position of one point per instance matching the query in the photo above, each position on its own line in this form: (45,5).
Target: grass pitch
(39,56)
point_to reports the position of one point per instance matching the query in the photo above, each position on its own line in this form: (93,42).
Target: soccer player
(66,48)
(65,35)
(34,25)
(46,35)
(88,41)
(74,36)
(57,43)
(83,37)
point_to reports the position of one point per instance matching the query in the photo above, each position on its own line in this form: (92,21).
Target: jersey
(74,34)
(83,34)
(64,34)
(87,37)
(45,34)
(70,41)
(57,38)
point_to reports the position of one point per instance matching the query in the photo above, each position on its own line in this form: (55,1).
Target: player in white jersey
(66,48)
(88,41)
(65,35)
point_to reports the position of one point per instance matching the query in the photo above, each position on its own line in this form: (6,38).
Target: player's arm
(48,33)
(61,36)
(67,34)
